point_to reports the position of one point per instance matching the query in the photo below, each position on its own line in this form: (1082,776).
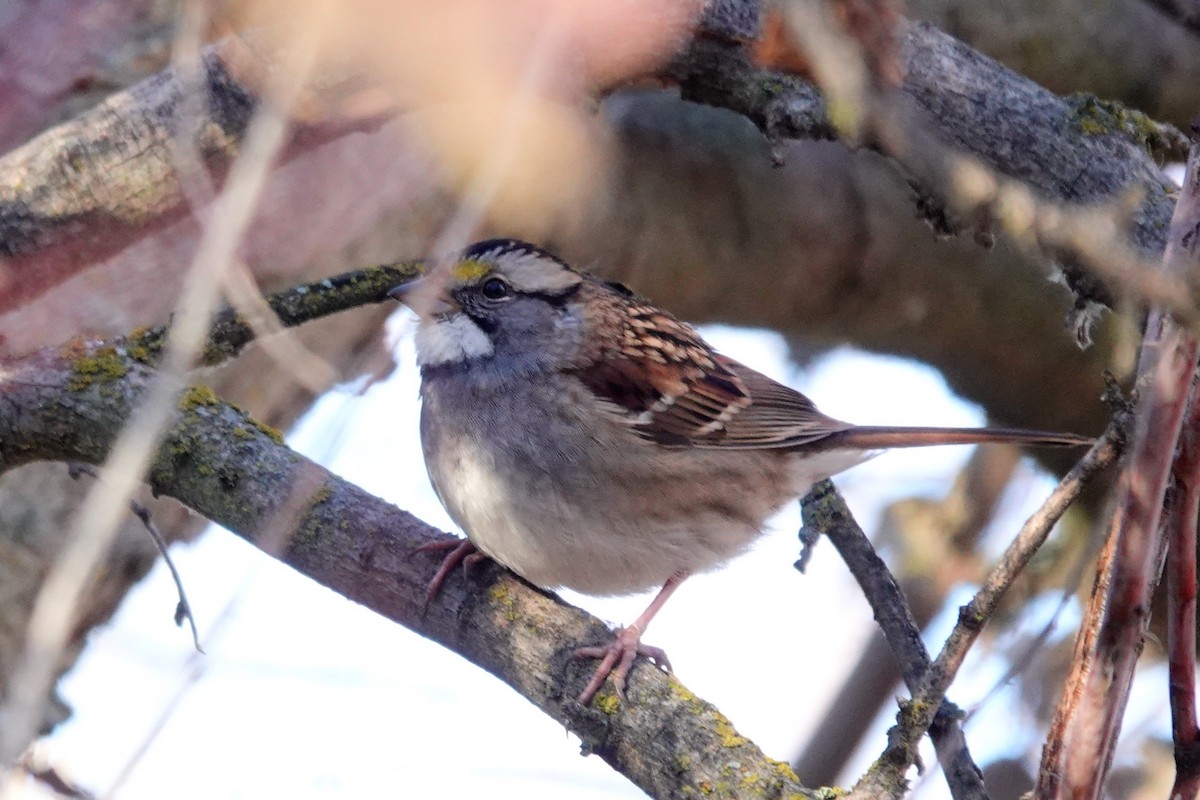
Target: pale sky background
(303,694)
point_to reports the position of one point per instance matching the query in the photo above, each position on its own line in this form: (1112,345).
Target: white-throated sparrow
(584,438)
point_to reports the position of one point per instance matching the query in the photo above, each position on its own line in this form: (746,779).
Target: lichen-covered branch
(230,332)
(952,99)
(70,403)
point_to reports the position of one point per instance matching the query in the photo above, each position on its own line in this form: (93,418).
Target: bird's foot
(458,551)
(616,659)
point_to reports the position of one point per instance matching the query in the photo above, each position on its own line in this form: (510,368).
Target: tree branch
(70,403)
(1181,607)
(88,188)
(927,680)
(1075,151)
(1079,750)
(73,194)
(824,510)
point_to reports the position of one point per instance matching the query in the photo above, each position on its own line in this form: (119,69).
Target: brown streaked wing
(664,380)
(778,415)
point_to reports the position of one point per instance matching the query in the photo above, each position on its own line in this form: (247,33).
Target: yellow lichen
(196,396)
(104,365)
(273,434)
(724,728)
(1096,117)
(608,703)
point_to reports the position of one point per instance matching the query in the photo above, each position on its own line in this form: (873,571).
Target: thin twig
(949,530)
(183,609)
(933,679)
(823,509)
(973,616)
(1021,661)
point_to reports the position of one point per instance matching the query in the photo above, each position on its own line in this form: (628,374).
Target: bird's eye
(494,289)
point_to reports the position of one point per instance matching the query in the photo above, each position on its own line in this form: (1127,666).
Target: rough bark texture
(1117,49)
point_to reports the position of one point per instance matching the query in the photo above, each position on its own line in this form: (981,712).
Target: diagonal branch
(929,681)
(982,143)
(825,510)
(70,404)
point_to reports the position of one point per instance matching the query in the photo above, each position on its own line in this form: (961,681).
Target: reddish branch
(1083,735)
(1181,608)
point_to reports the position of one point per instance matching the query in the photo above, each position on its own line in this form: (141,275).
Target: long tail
(866,437)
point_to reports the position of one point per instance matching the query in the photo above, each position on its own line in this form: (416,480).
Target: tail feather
(867,437)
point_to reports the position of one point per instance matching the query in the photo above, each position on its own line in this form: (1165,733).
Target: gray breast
(565,496)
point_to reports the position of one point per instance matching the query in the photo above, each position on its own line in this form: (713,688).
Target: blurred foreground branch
(93,186)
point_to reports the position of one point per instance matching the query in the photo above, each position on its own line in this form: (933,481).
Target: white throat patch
(446,341)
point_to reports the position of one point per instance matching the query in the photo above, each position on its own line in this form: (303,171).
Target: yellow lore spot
(470,270)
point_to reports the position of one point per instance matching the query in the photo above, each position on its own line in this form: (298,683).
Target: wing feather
(672,388)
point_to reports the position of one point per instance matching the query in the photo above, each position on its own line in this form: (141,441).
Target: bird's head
(496,299)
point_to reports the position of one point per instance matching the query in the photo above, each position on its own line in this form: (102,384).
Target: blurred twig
(95,522)
(1184,12)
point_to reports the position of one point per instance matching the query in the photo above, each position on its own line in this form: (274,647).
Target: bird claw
(616,659)
(461,551)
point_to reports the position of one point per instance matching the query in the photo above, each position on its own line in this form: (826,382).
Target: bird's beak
(424,297)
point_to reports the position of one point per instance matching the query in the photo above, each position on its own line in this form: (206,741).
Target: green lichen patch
(198,396)
(1095,117)
(727,733)
(104,365)
(274,434)
(608,703)
(145,345)
(321,496)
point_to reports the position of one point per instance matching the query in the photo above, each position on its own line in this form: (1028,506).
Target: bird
(585,438)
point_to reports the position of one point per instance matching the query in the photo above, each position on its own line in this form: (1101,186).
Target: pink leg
(461,551)
(616,658)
